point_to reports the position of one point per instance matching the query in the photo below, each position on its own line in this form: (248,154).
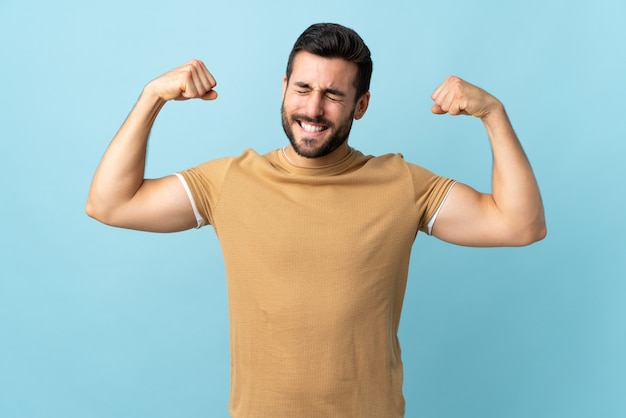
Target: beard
(305,148)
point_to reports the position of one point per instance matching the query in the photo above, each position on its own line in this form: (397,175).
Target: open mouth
(311,127)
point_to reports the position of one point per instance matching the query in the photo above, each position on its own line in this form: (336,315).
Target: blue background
(102,322)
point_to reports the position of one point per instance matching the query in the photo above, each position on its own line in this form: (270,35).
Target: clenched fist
(189,81)
(458,97)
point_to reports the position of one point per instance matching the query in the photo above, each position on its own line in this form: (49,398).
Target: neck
(296,159)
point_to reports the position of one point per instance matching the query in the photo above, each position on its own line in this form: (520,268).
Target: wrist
(495,112)
(151,95)
(148,105)
(497,123)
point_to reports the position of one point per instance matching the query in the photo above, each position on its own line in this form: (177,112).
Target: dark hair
(331,40)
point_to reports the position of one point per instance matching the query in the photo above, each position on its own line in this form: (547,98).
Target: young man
(317,236)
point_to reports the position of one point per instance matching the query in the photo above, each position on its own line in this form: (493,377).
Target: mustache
(317,120)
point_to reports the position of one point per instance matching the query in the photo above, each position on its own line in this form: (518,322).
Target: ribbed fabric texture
(316,263)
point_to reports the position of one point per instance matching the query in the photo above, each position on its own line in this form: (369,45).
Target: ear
(284,85)
(361,106)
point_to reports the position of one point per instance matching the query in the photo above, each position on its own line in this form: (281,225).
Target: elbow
(542,231)
(89,208)
(539,228)
(92,210)
(537,234)
(96,211)
(532,233)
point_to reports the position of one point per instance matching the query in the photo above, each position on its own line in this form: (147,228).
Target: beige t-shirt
(316,262)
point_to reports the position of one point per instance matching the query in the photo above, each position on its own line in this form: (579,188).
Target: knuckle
(193,66)
(186,69)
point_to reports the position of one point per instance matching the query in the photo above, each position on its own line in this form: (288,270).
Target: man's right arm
(119,194)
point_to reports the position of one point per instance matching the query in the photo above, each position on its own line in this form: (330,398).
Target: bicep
(160,205)
(470,218)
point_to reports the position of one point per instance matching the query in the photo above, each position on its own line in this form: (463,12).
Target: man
(317,236)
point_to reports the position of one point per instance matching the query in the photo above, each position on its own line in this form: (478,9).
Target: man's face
(319,104)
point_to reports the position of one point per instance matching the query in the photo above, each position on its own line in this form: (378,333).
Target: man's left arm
(513,214)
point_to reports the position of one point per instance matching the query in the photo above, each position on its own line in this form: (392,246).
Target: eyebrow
(334,92)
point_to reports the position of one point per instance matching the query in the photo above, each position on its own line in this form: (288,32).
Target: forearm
(512,214)
(515,191)
(121,171)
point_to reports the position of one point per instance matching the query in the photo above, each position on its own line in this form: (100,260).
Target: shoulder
(221,164)
(423,179)
(394,162)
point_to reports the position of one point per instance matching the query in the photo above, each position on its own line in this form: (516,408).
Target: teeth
(311,128)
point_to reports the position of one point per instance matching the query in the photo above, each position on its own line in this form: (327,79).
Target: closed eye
(331,94)
(302,88)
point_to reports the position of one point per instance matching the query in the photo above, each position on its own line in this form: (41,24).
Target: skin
(119,194)
(319,102)
(320,95)
(513,214)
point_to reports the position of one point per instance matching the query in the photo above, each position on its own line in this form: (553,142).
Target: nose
(315,104)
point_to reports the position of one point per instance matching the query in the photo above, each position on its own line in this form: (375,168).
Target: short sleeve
(430,192)
(205,185)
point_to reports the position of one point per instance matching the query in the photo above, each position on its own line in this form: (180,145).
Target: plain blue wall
(101,322)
